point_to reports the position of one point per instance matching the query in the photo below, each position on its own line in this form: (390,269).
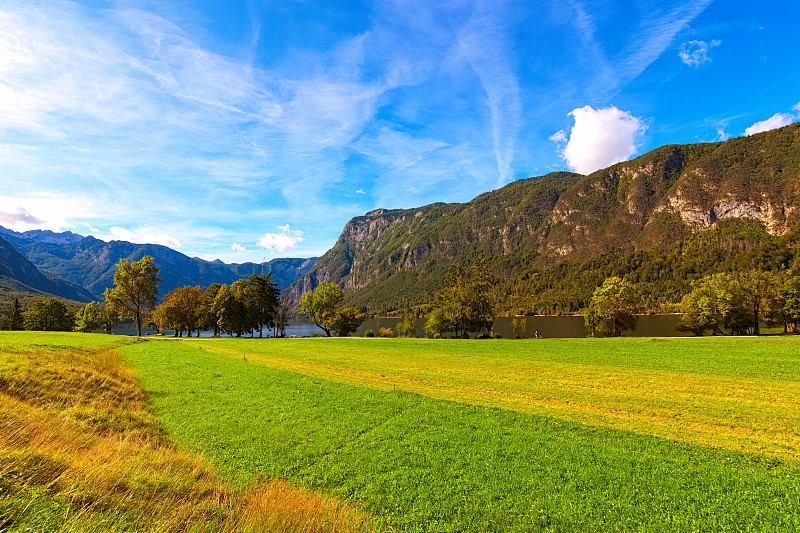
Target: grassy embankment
(575,435)
(80,451)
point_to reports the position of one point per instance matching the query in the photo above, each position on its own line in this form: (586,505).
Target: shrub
(385,332)
(369,333)
(498,336)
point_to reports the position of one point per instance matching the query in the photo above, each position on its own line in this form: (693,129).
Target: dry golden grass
(79,451)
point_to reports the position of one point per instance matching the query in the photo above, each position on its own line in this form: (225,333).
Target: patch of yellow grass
(738,413)
(76,436)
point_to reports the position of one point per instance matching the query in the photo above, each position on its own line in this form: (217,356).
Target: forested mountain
(90,262)
(664,218)
(19,276)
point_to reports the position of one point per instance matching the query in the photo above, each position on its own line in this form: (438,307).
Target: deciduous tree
(613,307)
(231,309)
(87,319)
(320,301)
(49,314)
(180,310)
(344,322)
(135,289)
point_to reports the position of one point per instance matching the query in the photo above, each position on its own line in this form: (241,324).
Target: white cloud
(360,191)
(236,247)
(43,211)
(19,219)
(143,235)
(695,53)
(599,138)
(778,120)
(287,239)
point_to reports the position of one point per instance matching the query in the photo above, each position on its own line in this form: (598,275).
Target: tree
(107,319)
(282,317)
(708,306)
(732,301)
(464,301)
(613,307)
(180,310)
(262,300)
(209,321)
(518,327)
(321,300)
(13,321)
(231,308)
(343,322)
(789,298)
(50,314)
(87,319)
(407,327)
(135,290)
(479,298)
(439,323)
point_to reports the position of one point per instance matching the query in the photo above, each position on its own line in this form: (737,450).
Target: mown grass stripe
(424,464)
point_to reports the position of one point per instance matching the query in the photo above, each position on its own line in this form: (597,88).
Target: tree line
(722,303)
(247,305)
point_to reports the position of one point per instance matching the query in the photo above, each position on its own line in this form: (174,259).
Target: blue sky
(251,129)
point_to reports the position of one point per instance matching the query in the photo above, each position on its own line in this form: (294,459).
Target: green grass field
(80,451)
(546,435)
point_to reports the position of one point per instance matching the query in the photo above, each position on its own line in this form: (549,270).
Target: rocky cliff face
(664,195)
(652,201)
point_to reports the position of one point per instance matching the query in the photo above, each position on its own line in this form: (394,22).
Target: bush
(385,332)
(437,335)
(369,333)
(498,336)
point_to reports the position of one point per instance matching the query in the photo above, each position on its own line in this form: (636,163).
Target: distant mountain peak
(38,235)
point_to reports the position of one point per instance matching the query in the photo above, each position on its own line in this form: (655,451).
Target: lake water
(548,326)
(552,326)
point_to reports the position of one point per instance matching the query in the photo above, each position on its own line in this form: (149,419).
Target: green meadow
(698,434)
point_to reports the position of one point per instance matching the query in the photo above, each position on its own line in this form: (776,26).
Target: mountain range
(87,265)
(663,218)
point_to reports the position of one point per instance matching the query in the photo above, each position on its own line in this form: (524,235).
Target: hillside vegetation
(665,218)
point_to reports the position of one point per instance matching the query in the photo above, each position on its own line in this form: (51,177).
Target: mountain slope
(91,263)
(395,259)
(17,274)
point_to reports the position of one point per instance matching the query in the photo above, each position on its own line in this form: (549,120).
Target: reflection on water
(547,326)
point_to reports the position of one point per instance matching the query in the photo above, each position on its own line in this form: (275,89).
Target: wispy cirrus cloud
(648,37)
(484,43)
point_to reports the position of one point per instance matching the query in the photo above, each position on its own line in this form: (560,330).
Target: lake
(549,327)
